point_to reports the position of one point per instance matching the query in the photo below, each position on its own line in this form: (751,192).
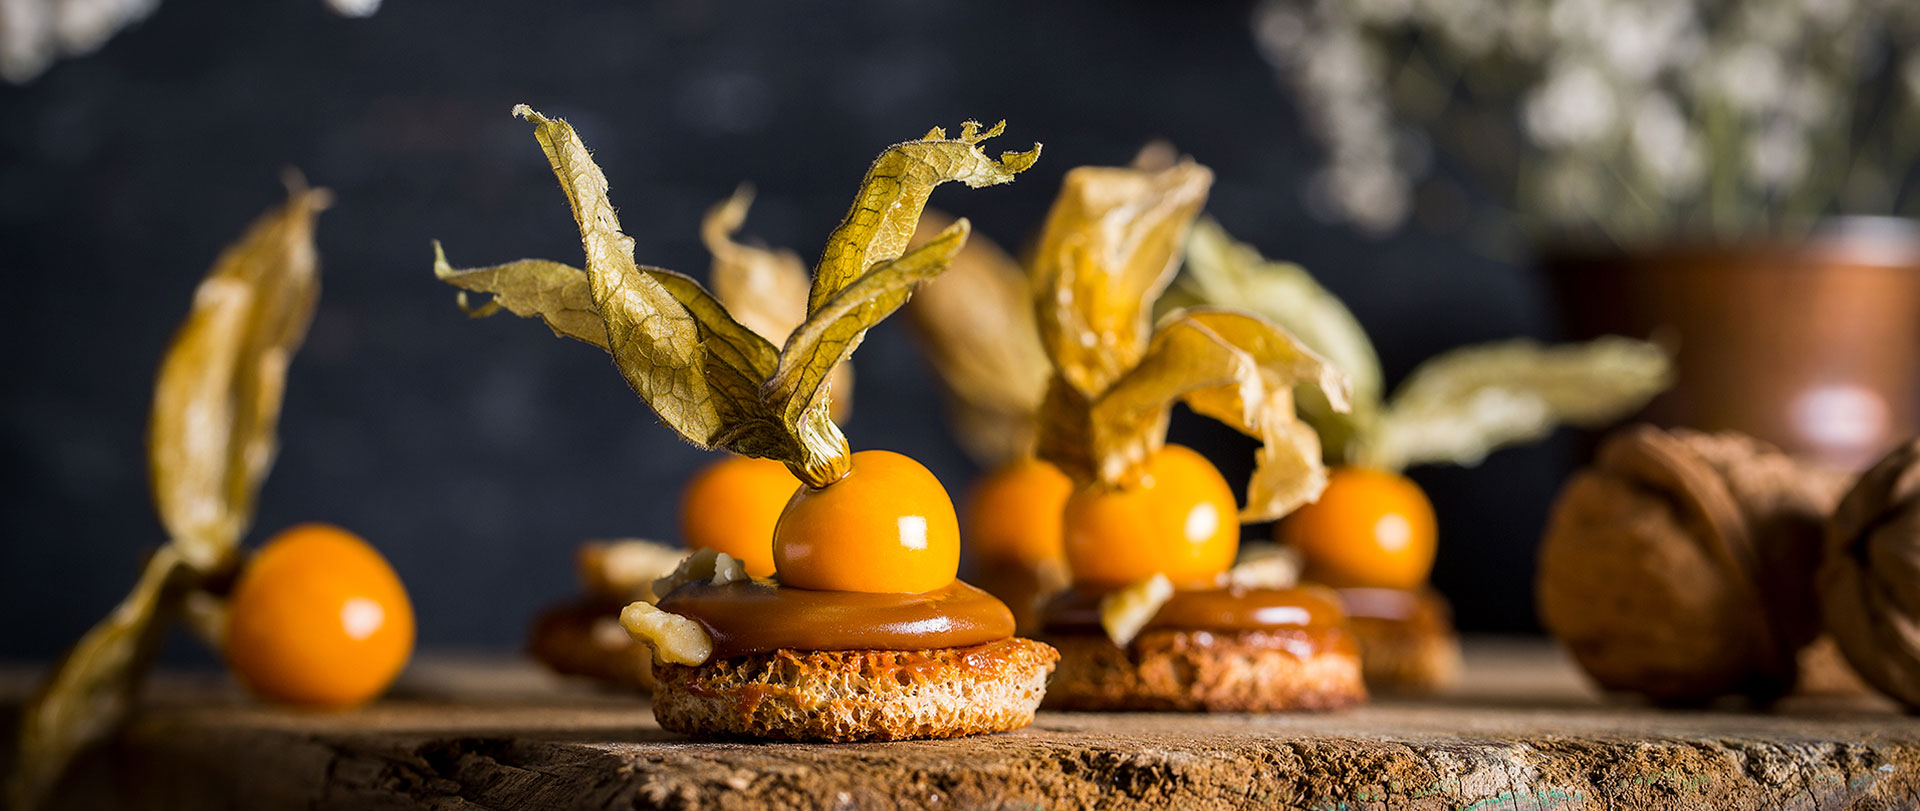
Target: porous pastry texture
(842,696)
(1207,671)
(1414,652)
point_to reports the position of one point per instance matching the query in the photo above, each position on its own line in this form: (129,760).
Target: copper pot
(1813,345)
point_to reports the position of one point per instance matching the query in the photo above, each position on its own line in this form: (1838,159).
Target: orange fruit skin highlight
(1179,520)
(887,527)
(1014,513)
(733,505)
(1370,528)
(318,619)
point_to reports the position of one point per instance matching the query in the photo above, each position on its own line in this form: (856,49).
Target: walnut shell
(1678,565)
(1869,584)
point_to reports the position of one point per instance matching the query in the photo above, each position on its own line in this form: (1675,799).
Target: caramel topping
(759,617)
(1228,609)
(1419,608)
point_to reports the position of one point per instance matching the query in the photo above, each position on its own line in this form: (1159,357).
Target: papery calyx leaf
(887,208)
(1109,247)
(216,406)
(1462,405)
(676,346)
(831,333)
(1223,272)
(1233,367)
(92,688)
(977,328)
(554,292)
(709,377)
(765,289)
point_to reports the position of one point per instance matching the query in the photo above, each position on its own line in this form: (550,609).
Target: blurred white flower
(1809,99)
(1280,28)
(1380,11)
(33,33)
(1574,107)
(354,8)
(1641,39)
(1663,146)
(1471,27)
(1372,196)
(1769,23)
(1776,155)
(1577,20)
(1748,77)
(1527,33)
(1657,101)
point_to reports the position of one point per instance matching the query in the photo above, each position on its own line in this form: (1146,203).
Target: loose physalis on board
(316,617)
(864,554)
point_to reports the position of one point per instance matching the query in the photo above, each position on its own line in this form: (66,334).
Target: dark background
(476,454)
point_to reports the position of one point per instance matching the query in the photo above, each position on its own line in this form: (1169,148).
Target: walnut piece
(1870,581)
(674,638)
(624,570)
(1123,613)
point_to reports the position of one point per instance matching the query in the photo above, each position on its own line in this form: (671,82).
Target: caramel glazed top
(758,616)
(1306,619)
(754,617)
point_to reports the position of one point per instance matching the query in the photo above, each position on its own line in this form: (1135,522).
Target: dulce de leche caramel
(1310,608)
(752,617)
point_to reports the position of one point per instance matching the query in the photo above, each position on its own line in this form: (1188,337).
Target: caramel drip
(1231,609)
(753,617)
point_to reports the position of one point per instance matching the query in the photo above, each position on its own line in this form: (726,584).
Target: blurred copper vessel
(1813,345)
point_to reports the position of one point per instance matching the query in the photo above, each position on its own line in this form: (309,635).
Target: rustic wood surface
(1523,732)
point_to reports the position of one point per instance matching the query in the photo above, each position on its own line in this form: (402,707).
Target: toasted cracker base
(841,696)
(1406,657)
(1233,671)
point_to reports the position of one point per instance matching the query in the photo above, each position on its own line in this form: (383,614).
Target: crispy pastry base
(1230,671)
(841,696)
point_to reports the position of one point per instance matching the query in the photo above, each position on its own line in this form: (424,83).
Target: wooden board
(1523,733)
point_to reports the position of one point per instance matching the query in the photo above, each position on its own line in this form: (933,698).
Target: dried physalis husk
(1222,271)
(1456,407)
(211,441)
(1111,243)
(765,289)
(1869,584)
(1676,567)
(976,325)
(1460,406)
(711,379)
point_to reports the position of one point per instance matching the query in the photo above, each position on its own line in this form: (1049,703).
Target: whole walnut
(1679,565)
(1869,584)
